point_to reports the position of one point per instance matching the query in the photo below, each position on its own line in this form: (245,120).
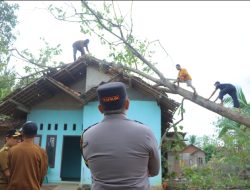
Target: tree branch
(175,124)
(132,49)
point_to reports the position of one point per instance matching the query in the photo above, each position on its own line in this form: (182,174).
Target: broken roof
(50,84)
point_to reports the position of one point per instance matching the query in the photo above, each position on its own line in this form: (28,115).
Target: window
(56,126)
(190,162)
(51,150)
(74,127)
(49,126)
(41,126)
(38,139)
(200,161)
(65,127)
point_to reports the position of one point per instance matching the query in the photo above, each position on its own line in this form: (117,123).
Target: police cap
(29,128)
(112,95)
(12,133)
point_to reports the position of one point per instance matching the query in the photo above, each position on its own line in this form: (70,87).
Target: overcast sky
(210,39)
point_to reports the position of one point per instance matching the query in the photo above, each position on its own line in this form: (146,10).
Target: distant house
(192,156)
(64,103)
(173,158)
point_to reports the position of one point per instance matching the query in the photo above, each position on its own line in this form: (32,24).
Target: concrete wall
(59,117)
(94,77)
(197,155)
(79,86)
(61,101)
(192,159)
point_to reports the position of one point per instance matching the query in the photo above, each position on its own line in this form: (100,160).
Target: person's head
(12,137)
(178,67)
(216,83)
(29,129)
(87,41)
(112,98)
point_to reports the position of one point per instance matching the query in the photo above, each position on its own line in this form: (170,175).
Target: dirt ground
(72,187)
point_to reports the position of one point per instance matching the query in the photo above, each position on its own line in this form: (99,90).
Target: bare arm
(87,48)
(213,94)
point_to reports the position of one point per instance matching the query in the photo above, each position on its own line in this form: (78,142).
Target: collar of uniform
(115,116)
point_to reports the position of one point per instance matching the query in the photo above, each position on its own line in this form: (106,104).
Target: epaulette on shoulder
(89,127)
(138,122)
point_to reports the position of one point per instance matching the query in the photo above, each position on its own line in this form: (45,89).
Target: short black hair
(29,129)
(216,83)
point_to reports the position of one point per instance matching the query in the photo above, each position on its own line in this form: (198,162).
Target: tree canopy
(8,22)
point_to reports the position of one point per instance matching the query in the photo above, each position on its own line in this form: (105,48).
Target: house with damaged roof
(64,103)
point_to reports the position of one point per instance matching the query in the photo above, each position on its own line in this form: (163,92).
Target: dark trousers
(232,92)
(81,49)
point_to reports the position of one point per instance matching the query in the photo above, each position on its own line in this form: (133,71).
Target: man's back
(121,154)
(28,166)
(225,86)
(80,43)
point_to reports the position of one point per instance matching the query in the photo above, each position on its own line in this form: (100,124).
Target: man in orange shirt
(183,76)
(28,162)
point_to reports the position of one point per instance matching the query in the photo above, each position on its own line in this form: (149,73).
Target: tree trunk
(219,109)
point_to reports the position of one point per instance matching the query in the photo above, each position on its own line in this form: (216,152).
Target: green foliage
(228,159)
(6,81)
(225,125)
(39,63)
(192,139)
(174,145)
(8,21)
(198,178)
(112,28)
(210,151)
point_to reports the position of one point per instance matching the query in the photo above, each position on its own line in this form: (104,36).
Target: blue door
(71,159)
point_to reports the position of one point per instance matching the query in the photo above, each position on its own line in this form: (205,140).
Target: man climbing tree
(80,45)
(226,89)
(184,76)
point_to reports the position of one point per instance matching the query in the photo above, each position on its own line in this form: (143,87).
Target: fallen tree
(92,19)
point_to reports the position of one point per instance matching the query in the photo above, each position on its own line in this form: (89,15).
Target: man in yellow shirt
(184,77)
(12,137)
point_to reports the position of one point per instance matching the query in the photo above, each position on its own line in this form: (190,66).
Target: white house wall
(94,77)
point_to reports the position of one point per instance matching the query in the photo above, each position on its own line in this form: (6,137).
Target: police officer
(80,45)
(12,137)
(120,153)
(27,162)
